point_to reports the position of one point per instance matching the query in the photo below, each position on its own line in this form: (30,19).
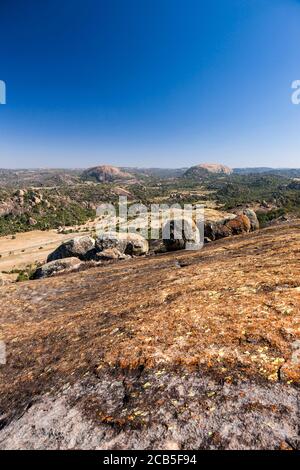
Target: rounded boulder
(77,247)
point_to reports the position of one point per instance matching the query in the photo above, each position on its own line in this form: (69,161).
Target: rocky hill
(206,168)
(106,173)
(182,350)
(284,172)
(38,177)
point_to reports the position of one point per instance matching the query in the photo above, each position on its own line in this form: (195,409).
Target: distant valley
(57,204)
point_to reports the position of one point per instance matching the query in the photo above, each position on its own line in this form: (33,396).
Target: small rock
(20,193)
(254,223)
(157,246)
(36,200)
(109,254)
(32,221)
(57,266)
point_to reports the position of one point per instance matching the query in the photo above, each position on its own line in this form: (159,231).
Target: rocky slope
(183,350)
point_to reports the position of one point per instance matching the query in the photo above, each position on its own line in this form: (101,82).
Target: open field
(29,247)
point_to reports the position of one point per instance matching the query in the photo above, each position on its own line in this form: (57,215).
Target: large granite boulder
(238,225)
(254,222)
(180,234)
(131,244)
(56,266)
(76,247)
(216,230)
(136,245)
(157,246)
(227,227)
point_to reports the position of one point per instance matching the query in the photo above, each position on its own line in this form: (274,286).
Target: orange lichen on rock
(231,309)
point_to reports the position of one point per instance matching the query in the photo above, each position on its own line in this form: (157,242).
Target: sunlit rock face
(194,350)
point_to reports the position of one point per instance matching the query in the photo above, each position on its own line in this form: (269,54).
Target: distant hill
(105,173)
(38,177)
(287,172)
(204,169)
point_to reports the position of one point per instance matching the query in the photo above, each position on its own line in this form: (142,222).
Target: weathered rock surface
(253,219)
(109,254)
(56,266)
(157,246)
(225,228)
(76,247)
(187,349)
(216,230)
(131,244)
(180,234)
(166,410)
(238,225)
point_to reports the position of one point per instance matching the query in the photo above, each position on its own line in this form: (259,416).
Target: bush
(266,217)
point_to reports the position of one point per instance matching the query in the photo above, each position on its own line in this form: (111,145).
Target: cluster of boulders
(57,266)
(22,202)
(34,198)
(70,255)
(244,222)
(177,234)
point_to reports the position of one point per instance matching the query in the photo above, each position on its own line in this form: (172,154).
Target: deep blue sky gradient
(166,83)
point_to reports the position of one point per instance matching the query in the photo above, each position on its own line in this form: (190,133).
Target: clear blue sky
(166,83)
